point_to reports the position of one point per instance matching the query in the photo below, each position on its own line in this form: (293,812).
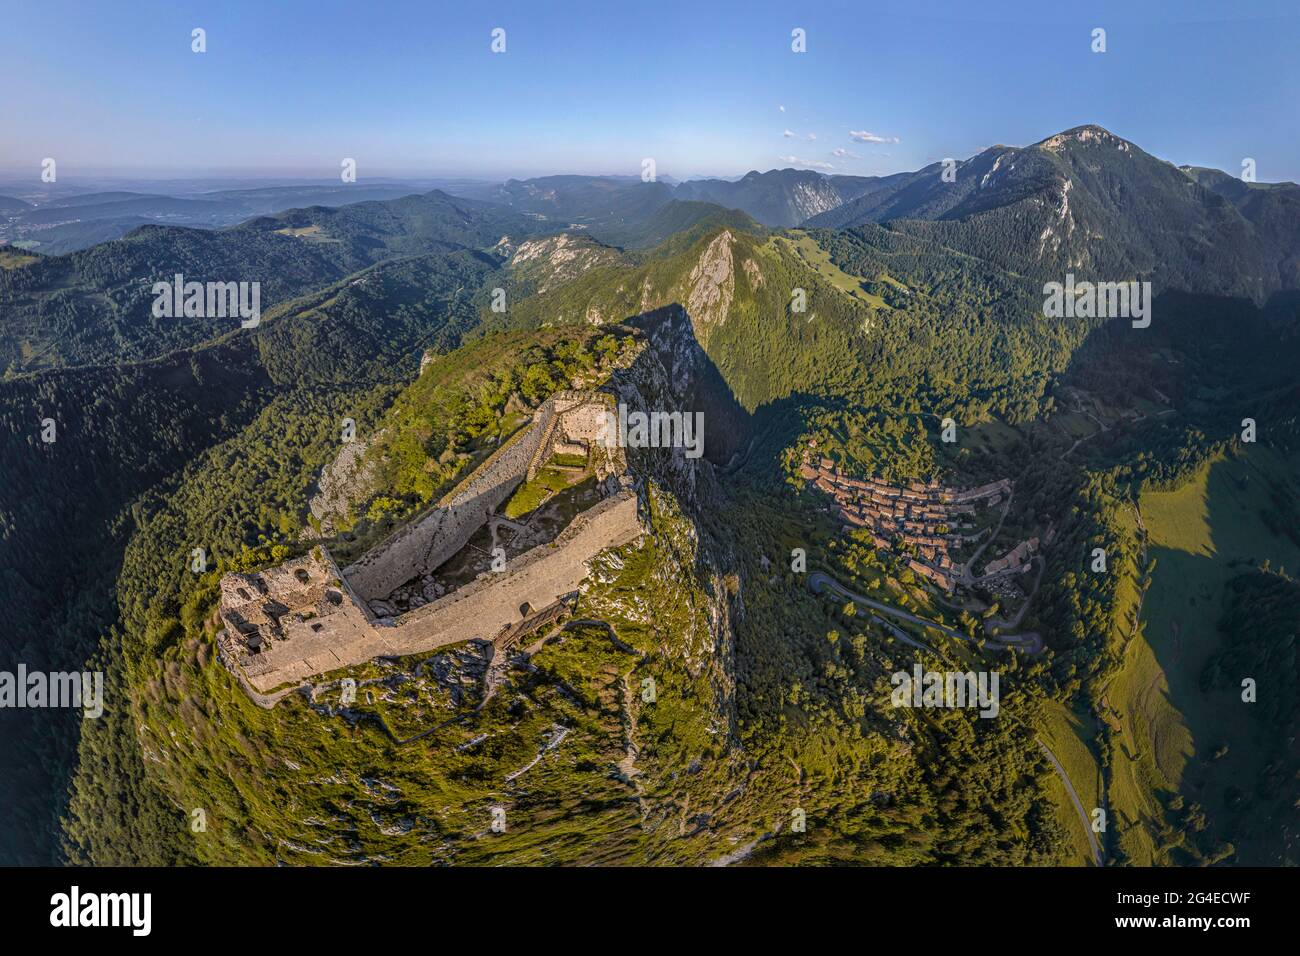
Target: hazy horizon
(271,177)
(289,90)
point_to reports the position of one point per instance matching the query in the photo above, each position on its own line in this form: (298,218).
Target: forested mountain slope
(1089,202)
(125,431)
(97,305)
(772,700)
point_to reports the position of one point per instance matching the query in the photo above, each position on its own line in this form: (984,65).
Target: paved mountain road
(1029,642)
(1078,805)
(1032,643)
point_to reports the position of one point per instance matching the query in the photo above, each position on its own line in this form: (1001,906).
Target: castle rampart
(320,638)
(428,541)
(304,617)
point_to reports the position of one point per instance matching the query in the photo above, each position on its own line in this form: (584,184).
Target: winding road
(1029,642)
(966,577)
(1078,805)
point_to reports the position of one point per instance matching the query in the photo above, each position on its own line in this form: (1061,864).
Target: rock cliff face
(712,284)
(543,264)
(807,199)
(347,479)
(673,373)
(779,197)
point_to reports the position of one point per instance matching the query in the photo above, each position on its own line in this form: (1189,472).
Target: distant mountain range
(95,304)
(1083,200)
(779,197)
(1087,200)
(68,223)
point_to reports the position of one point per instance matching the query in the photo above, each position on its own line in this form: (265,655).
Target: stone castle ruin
(460,571)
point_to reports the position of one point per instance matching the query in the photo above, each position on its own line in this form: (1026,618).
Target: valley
(683,646)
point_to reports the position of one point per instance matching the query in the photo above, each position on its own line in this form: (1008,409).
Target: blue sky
(291,87)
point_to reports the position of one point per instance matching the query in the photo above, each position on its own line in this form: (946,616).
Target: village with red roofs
(932,525)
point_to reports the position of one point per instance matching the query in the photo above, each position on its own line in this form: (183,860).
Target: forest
(176,437)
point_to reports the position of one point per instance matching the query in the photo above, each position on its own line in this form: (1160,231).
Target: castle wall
(346,637)
(349,636)
(567,408)
(585,424)
(424,544)
(427,542)
(305,618)
(545,444)
(319,622)
(538,578)
(581,417)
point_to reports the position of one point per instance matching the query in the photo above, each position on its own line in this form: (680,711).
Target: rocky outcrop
(711,286)
(554,260)
(344,482)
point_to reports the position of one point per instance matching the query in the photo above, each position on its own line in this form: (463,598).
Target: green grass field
(1200,536)
(531,494)
(820,261)
(1069,734)
(1075,424)
(993,436)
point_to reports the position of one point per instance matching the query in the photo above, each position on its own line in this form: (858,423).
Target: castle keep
(434,582)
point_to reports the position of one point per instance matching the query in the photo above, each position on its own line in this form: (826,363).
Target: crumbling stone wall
(570,411)
(536,578)
(427,542)
(301,611)
(346,634)
(305,617)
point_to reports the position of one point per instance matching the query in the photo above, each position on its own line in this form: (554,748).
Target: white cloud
(781,108)
(810,163)
(862,136)
(788,133)
(843,153)
(812,135)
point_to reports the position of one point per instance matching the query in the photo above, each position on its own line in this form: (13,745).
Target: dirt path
(1077,443)
(557,737)
(627,766)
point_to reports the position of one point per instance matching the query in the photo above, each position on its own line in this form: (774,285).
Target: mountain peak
(1087,134)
